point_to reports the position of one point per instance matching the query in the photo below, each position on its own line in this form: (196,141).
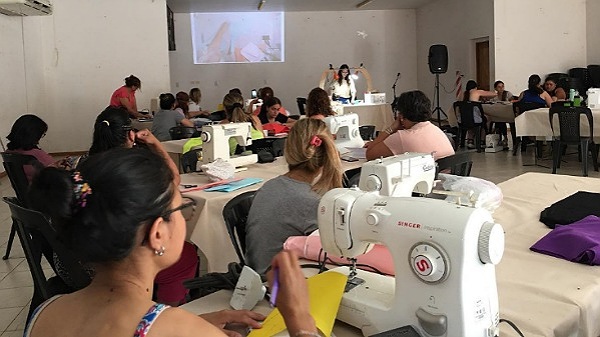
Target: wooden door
(482,59)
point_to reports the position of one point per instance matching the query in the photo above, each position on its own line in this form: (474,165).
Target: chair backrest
(460,164)
(351,177)
(520,107)
(569,122)
(466,112)
(367,132)
(301,101)
(182,132)
(235,214)
(36,235)
(189,160)
(562,103)
(14,164)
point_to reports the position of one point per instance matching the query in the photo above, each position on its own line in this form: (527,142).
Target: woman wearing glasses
(122,210)
(342,87)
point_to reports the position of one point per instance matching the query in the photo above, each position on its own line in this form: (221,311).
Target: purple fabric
(577,242)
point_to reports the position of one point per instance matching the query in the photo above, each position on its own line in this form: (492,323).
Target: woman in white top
(194,109)
(343,88)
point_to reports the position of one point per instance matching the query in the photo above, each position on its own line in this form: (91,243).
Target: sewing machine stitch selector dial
(429,262)
(373,183)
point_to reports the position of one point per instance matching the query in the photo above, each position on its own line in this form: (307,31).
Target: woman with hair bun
(287,205)
(122,211)
(124,97)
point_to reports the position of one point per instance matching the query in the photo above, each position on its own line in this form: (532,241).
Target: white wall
(313,40)
(456,24)
(12,82)
(74,60)
(539,37)
(593,28)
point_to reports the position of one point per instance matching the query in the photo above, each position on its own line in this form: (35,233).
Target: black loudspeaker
(438,59)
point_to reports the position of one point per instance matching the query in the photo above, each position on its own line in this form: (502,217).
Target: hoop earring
(160,252)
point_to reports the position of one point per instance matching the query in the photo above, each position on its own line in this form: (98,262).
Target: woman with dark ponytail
(123,212)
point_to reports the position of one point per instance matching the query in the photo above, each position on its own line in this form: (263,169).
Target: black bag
(213,282)
(265,157)
(571,209)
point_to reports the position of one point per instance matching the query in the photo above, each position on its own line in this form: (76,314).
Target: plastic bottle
(571,94)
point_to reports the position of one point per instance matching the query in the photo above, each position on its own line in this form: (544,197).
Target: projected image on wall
(237,37)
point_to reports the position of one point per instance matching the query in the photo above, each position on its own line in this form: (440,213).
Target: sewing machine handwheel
(205,137)
(491,243)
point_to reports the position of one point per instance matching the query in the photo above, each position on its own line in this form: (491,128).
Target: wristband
(306,333)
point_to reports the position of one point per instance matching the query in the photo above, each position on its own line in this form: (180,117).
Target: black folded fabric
(571,209)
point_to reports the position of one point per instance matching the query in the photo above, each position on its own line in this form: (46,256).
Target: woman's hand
(146,137)
(292,296)
(241,317)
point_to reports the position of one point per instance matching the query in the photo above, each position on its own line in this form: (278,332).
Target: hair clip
(316,141)
(106,122)
(81,190)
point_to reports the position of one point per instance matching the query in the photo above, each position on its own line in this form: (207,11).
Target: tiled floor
(16,284)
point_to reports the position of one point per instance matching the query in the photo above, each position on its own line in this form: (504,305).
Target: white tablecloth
(537,123)
(543,295)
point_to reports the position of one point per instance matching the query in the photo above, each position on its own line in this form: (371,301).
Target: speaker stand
(436,101)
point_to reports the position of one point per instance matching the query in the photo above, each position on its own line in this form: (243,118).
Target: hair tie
(316,141)
(237,105)
(81,190)
(106,122)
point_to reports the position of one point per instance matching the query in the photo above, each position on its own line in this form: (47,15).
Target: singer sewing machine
(215,139)
(444,255)
(399,175)
(345,130)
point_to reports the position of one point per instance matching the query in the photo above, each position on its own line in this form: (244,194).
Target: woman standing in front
(124,97)
(343,88)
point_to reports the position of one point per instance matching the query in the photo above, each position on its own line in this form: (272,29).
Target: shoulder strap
(146,322)
(36,314)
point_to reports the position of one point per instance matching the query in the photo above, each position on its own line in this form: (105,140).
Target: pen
(273,298)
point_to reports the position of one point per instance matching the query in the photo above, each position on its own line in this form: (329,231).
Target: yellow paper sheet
(325,292)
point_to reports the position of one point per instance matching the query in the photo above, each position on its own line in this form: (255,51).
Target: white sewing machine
(399,175)
(345,131)
(444,256)
(215,143)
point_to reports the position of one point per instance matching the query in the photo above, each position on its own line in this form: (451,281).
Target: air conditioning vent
(25,7)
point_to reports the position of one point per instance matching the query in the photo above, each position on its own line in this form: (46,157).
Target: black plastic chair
(367,132)
(519,108)
(183,132)
(467,121)
(14,165)
(189,160)
(301,101)
(38,239)
(459,164)
(351,177)
(235,214)
(570,133)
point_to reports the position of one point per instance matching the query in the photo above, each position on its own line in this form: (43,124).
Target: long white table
(544,296)
(537,123)
(379,115)
(207,230)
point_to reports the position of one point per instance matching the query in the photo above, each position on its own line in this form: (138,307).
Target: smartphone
(348,158)
(253,93)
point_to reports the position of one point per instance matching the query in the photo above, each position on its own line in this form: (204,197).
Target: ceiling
(208,6)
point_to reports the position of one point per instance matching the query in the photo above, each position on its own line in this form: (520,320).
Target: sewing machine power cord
(512,325)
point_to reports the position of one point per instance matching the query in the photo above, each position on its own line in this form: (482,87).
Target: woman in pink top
(24,137)
(411,131)
(124,97)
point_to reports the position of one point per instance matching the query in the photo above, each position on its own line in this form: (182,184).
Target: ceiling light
(363,3)
(261,3)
